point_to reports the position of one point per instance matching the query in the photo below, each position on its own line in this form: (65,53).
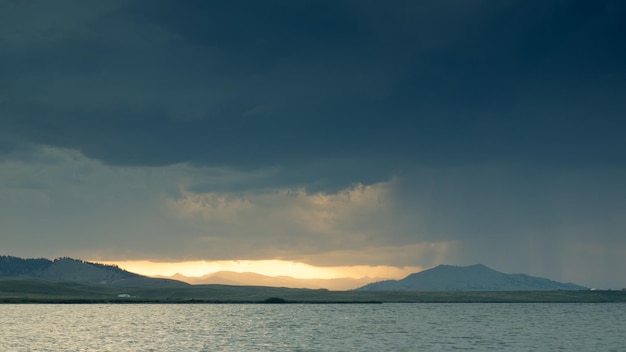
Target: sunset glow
(263,267)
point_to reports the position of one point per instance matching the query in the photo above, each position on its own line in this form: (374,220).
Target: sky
(326,134)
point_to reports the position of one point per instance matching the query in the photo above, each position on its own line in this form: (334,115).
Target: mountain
(74,270)
(469,278)
(254,279)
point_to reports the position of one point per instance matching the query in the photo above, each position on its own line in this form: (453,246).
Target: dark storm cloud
(244,84)
(495,202)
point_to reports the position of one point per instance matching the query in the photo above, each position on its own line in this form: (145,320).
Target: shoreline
(269,295)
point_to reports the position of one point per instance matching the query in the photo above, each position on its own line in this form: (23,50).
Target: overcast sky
(329,132)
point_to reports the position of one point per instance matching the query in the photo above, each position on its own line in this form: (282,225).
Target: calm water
(377,327)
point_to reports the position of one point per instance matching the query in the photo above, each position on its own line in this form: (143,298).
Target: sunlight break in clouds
(264,267)
(56,202)
(119,213)
(287,224)
(318,213)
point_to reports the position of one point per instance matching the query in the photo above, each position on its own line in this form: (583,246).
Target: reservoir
(313,327)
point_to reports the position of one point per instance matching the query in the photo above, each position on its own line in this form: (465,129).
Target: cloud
(327,132)
(287,223)
(83,206)
(41,23)
(58,202)
(243,85)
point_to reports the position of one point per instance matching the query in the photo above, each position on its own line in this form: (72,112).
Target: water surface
(313,327)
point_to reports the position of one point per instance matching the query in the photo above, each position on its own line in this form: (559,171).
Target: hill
(39,291)
(76,271)
(254,279)
(67,280)
(469,278)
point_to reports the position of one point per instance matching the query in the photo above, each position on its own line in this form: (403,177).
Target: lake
(313,327)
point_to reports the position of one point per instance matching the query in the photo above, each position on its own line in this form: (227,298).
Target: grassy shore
(33,291)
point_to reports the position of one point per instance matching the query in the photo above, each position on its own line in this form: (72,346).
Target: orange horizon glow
(271,267)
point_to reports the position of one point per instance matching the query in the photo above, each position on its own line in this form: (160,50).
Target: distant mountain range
(469,278)
(78,271)
(441,278)
(254,279)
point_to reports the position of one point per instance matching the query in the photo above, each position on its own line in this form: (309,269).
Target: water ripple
(302,327)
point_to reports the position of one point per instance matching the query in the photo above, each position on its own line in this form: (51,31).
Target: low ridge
(74,270)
